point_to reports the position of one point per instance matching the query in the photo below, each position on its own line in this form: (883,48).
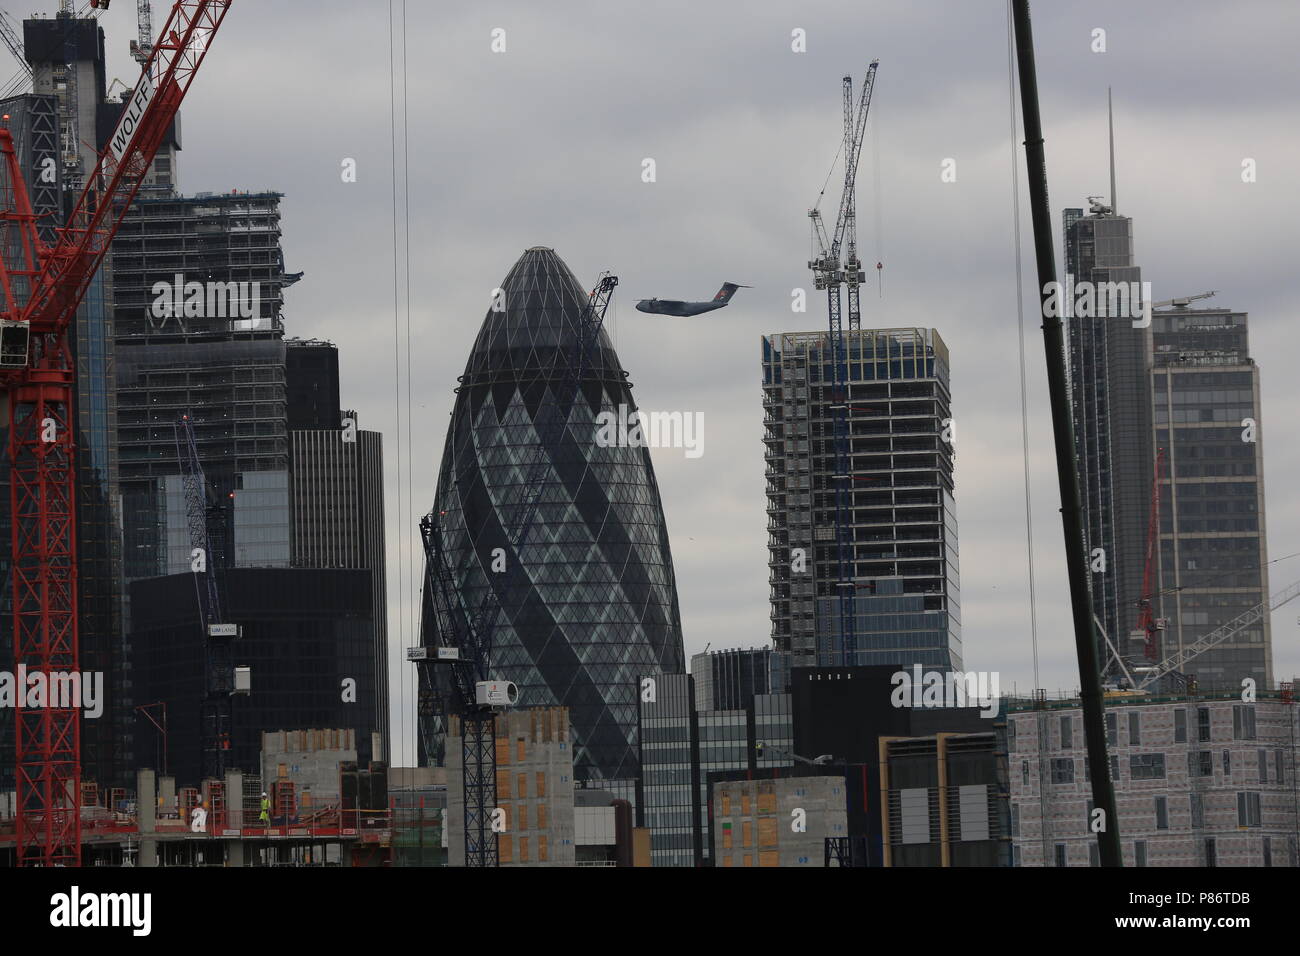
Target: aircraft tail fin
(727,291)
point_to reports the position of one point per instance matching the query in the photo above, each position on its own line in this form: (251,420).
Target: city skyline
(772,129)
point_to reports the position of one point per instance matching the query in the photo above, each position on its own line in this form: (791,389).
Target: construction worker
(264,817)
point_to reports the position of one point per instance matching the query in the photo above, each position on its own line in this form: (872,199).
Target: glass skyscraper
(1213,552)
(1107,362)
(596,607)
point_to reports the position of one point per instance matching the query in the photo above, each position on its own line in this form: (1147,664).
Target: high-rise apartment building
(902,520)
(1213,555)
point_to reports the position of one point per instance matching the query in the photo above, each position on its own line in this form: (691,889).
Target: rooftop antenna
(1110,119)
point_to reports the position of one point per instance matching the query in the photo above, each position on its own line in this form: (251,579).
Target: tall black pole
(1076,554)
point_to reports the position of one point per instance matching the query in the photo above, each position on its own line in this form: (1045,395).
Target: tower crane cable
(1020,340)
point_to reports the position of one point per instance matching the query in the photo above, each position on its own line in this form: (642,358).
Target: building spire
(1110,119)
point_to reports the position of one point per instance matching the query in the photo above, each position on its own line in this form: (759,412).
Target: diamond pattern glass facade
(596,608)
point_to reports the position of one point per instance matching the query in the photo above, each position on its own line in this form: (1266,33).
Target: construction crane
(41,287)
(1249,618)
(218,634)
(1148,624)
(831,274)
(142,48)
(464,638)
(1183,302)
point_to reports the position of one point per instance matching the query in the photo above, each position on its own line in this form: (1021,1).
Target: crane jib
(130,122)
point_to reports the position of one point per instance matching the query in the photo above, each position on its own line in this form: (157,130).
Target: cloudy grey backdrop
(543,145)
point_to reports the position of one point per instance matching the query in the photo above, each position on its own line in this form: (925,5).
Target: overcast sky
(543,145)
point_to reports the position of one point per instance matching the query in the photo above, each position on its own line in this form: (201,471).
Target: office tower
(198,290)
(1213,556)
(729,679)
(1110,405)
(312,368)
(337,476)
(903,520)
(597,605)
(681,745)
(198,296)
(1200,780)
(308,637)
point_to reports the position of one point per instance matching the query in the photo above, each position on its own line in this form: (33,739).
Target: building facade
(944,800)
(1107,361)
(777,820)
(1199,781)
(307,636)
(535,788)
(596,605)
(903,513)
(1213,555)
(681,746)
(728,679)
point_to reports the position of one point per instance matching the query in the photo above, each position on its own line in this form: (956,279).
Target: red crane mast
(42,286)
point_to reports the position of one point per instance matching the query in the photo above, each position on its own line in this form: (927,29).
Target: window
(1094,853)
(541,784)
(1139,852)
(1200,763)
(1278,773)
(523,849)
(1227,763)
(1202,723)
(1112,730)
(1248,809)
(1243,722)
(1147,766)
(1180,725)
(541,849)
(1060,854)
(1263,766)
(1067,738)
(1162,813)
(1211,856)
(522,787)
(1024,772)
(1134,728)
(1062,770)
(541,820)
(1268,852)
(1015,820)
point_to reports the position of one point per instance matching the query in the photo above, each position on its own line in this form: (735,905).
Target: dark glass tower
(597,606)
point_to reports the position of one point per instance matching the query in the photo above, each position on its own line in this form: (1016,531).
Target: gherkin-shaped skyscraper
(595,607)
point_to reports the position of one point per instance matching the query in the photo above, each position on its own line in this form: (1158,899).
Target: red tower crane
(1148,624)
(41,287)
